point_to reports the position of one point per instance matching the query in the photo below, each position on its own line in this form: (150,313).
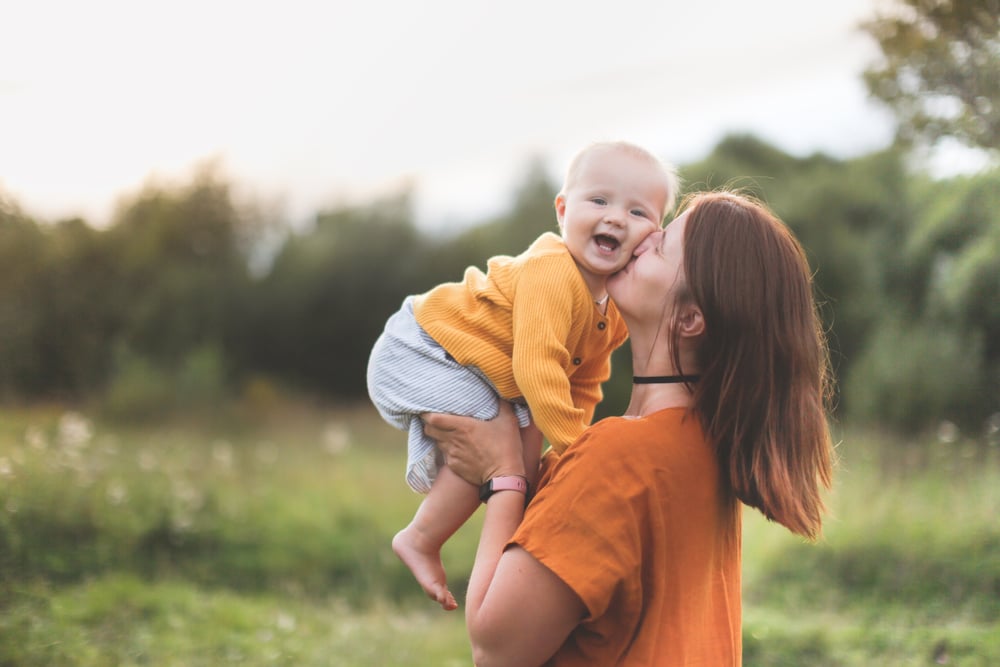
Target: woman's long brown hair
(765,373)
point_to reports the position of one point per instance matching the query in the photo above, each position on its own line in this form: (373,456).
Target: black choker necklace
(665,379)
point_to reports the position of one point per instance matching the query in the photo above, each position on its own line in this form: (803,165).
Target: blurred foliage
(161,310)
(940,69)
(163,280)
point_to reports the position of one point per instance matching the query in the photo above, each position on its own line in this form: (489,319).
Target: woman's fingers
(474,449)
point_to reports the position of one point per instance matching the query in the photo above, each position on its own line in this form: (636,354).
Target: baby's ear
(692,321)
(560,205)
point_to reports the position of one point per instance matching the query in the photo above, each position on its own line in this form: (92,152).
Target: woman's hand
(478,450)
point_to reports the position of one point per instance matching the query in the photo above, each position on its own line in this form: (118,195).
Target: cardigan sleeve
(543,313)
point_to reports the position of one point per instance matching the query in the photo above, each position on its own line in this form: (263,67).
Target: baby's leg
(449,504)
(531,446)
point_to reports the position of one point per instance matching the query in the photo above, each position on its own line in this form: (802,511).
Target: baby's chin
(624,266)
(607,273)
(620,266)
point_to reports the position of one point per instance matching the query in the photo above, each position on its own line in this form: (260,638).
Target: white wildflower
(35,437)
(222,453)
(187,495)
(116,493)
(336,438)
(285,622)
(947,432)
(74,430)
(147,459)
(181,523)
(993,428)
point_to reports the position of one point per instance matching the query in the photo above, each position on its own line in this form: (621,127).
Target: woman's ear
(692,322)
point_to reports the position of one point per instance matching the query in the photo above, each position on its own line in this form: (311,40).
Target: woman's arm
(518,612)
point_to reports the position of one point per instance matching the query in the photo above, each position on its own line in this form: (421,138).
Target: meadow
(259,535)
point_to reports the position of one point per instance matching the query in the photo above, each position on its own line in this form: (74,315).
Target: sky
(308,105)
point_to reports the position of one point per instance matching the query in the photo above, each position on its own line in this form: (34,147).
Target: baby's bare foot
(424,562)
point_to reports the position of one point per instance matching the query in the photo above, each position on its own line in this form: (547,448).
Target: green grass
(263,539)
(123,620)
(907,572)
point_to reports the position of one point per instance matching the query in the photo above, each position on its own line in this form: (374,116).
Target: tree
(327,296)
(940,71)
(22,261)
(181,263)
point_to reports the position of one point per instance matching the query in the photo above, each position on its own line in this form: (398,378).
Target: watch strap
(503,483)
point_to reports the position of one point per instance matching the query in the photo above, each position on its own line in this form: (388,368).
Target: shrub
(912,376)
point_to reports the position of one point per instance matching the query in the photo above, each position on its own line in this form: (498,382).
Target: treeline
(190,295)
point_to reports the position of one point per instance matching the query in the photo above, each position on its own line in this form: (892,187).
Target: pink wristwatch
(503,483)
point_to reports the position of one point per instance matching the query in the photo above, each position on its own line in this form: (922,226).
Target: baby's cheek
(645,231)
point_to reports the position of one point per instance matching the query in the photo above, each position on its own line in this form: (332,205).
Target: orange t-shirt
(634,519)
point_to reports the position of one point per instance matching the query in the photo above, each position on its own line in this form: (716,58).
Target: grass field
(261,537)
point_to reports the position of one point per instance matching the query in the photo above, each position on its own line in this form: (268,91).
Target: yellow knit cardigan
(531,326)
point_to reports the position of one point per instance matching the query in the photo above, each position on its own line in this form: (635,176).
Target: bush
(912,376)
(137,391)
(141,390)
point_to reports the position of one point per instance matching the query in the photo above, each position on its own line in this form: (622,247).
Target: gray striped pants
(409,374)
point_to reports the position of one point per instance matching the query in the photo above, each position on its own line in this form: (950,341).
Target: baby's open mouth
(606,243)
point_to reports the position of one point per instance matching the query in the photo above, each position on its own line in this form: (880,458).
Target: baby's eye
(601,201)
(640,213)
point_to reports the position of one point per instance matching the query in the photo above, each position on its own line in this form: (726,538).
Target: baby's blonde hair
(668,171)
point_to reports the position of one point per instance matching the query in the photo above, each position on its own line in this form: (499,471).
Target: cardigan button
(602,326)
(577,361)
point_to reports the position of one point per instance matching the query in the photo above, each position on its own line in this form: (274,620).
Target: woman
(629,554)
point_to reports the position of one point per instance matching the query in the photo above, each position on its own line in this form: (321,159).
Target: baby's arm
(561,391)
(542,323)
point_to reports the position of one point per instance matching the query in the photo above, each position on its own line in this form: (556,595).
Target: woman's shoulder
(624,427)
(617,436)
(628,451)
